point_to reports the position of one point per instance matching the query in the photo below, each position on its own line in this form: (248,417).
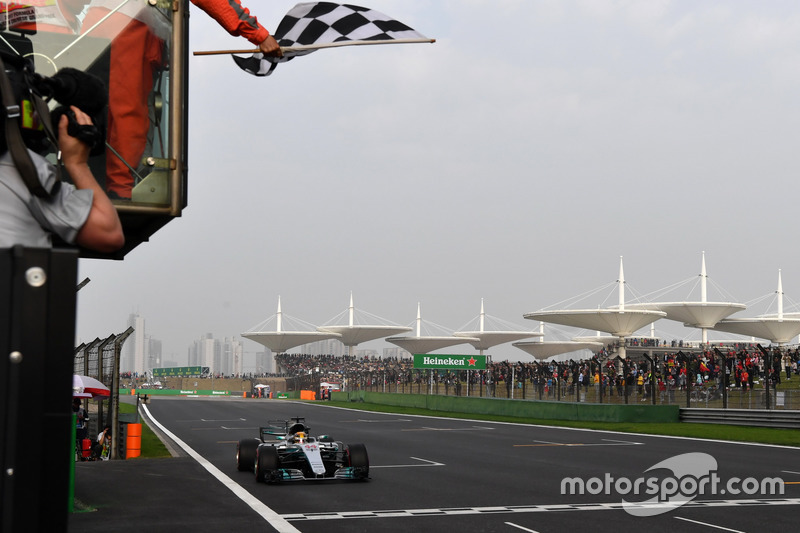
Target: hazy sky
(513,160)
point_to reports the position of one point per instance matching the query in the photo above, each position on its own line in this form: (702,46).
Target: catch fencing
(476,384)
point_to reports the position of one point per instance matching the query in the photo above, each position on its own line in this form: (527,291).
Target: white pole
(419,320)
(780,296)
(621,282)
(352,309)
(280,314)
(703,280)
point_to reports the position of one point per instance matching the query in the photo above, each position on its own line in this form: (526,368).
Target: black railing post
(767,367)
(37,334)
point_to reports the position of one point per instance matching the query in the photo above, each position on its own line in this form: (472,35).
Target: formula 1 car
(285,451)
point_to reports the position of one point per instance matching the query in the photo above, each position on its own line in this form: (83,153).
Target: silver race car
(286,451)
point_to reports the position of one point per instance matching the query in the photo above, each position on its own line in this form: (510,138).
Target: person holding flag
(704,369)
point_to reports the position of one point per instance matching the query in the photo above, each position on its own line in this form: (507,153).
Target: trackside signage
(450,362)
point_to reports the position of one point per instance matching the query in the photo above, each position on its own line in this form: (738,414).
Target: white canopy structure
(542,349)
(779,328)
(619,321)
(280,341)
(602,339)
(486,339)
(701,314)
(427,343)
(547,349)
(353,334)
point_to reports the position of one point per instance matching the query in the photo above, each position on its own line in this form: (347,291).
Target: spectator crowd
(740,366)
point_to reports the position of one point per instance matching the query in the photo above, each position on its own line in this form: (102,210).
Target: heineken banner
(450,362)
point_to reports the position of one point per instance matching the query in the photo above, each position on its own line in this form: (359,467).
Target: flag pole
(311,47)
(219,52)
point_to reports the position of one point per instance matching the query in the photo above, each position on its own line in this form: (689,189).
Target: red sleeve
(235,18)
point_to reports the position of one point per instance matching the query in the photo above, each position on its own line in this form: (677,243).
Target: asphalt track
(428,474)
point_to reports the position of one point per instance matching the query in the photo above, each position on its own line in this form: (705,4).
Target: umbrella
(260,386)
(84,385)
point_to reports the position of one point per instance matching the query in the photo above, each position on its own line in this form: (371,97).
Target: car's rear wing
(278,428)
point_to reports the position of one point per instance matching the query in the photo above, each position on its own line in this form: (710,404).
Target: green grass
(786,437)
(151,445)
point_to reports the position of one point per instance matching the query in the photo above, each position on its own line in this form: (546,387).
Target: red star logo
(472,361)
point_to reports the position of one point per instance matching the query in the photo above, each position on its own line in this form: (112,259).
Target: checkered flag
(314,25)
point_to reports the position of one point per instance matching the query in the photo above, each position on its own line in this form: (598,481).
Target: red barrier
(86,448)
(133,442)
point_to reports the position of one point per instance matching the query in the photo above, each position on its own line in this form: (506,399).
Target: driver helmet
(300,437)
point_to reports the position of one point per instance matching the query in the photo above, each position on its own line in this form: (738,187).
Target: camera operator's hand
(102,231)
(73,151)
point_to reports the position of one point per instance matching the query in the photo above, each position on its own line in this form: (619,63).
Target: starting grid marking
(461,511)
(426,462)
(470,428)
(608,442)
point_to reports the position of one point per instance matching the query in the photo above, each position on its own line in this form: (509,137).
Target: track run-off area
(435,474)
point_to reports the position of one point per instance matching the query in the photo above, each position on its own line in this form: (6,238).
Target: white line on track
(426,461)
(608,442)
(382,421)
(789,472)
(428,428)
(623,441)
(709,525)
(273,518)
(512,524)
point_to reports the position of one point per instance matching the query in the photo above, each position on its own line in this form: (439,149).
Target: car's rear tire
(267,463)
(358,459)
(246,454)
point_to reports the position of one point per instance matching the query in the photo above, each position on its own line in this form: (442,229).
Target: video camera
(68,87)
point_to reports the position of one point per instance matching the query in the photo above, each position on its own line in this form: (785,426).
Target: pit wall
(584,412)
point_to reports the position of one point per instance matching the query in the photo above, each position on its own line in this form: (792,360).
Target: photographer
(79,213)
(101,449)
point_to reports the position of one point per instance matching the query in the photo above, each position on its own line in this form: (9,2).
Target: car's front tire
(358,459)
(246,454)
(267,463)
